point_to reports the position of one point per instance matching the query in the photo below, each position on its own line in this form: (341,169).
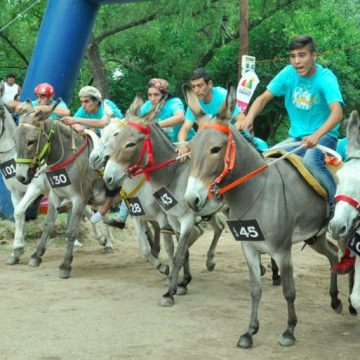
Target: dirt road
(110,309)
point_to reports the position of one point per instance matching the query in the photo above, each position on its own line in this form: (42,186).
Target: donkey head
(349,182)
(208,147)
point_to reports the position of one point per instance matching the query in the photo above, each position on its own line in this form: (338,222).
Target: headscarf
(160,84)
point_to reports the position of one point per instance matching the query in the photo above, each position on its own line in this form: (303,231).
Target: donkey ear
(42,115)
(154,112)
(226,111)
(353,131)
(135,106)
(27,107)
(193,103)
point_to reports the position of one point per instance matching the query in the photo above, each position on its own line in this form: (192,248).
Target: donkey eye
(215,149)
(31,142)
(116,133)
(131,144)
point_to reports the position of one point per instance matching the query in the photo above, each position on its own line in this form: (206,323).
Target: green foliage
(171,38)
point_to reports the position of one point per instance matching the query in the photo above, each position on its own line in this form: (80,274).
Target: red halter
(349,200)
(229,159)
(70,159)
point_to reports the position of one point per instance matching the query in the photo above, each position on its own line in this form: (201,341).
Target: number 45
(249,231)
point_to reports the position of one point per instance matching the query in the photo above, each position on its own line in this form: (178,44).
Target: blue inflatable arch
(61,45)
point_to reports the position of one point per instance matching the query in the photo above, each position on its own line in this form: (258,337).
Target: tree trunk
(97,69)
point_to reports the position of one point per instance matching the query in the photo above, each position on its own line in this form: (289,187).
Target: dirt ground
(109,308)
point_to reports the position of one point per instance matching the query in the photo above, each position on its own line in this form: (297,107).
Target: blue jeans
(314,160)
(123,212)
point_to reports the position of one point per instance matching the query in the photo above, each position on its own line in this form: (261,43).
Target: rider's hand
(44,108)
(183,149)
(68,120)
(245,123)
(79,129)
(310,141)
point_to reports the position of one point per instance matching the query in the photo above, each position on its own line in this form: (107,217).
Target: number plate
(135,207)
(354,243)
(165,198)
(58,178)
(8,168)
(246,230)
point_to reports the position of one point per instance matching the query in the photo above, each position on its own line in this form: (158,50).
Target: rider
(210,98)
(95,113)
(314,104)
(44,94)
(347,262)
(170,118)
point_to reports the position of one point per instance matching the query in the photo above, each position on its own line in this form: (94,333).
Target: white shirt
(9,92)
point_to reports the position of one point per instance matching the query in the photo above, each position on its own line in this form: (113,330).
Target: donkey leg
(141,228)
(154,238)
(49,222)
(286,270)
(351,278)
(355,293)
(20,206)
(218,228)
(71,234)
(182,289)
(186,227)
(103,240)
(253,262)
(328,249)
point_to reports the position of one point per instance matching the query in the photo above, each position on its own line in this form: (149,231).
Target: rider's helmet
(45,89)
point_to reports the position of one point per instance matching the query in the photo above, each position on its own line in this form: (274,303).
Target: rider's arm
(92,123)
(255,109)
(335,116)
(177,118)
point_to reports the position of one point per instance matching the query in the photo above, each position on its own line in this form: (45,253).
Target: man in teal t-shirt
(94,112)
(210,98)
(314,105)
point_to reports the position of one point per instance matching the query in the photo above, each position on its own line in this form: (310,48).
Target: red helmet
(45,89)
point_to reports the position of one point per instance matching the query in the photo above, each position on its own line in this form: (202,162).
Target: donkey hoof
(181,290)
(352,310)
(337,306)
(287,339)
(210,266)
(12,260)
(34,261)
(164,269)
(245,341)
(167,300)
(276,281)
(64,273)
(108,250)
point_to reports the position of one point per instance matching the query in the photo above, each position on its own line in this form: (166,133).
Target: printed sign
(8,168)
(58,178)
(245,90)
(245,230)
(165,198)
(134,206)
(354,243)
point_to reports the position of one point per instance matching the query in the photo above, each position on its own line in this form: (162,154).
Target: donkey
(141,137)
(22,195)
(151,208)
(277,206)
(40,139)
(345,223)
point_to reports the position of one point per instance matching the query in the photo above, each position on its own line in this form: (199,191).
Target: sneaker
(96,217)
(167,229)
(116,223)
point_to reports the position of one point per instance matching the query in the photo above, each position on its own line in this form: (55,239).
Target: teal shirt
(307,99)
(170,108)
(341,148)
(52,102)
(81,113)
(212,108)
